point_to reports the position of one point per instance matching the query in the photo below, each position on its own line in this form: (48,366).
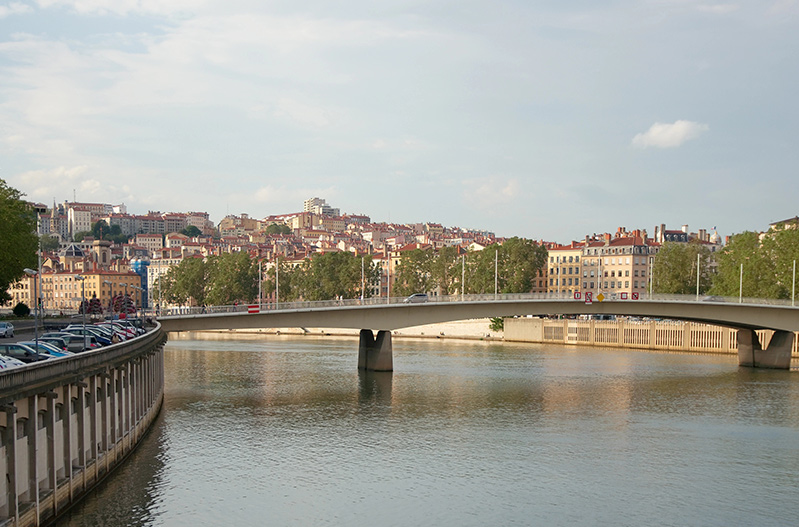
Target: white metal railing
(482,298)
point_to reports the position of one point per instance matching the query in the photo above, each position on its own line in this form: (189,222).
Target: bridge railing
(511,297)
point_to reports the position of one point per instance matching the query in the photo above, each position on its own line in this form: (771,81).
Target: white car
(9,362)
(6,329)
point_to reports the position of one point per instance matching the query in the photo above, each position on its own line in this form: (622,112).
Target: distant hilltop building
(319,206)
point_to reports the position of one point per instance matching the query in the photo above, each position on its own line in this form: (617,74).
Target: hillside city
(618,262)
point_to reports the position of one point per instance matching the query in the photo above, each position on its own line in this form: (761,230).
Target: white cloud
(669,135)
(14,8)
(719,9)
(490,192)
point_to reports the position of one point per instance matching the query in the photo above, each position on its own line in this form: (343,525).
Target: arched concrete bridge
(379,314)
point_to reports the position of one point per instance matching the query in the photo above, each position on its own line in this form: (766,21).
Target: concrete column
(776,356)
(375,354)
(10,441)
(32,426)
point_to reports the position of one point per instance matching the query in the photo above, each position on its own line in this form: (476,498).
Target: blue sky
(544,119)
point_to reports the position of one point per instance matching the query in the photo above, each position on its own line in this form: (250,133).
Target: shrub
(21,310)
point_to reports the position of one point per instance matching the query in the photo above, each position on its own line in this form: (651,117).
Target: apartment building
(564,268)
(619,264)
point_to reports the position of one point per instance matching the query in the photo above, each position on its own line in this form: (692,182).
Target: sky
(545,119)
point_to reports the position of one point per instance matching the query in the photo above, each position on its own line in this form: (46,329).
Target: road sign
(624,296)
(589,297)
(577,295)
(635,296)
(253,308)
(600,297)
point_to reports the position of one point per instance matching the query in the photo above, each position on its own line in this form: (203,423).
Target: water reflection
(287,431)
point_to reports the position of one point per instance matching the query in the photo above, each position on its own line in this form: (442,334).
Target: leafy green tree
(18,238)
(191,231)
(675,268)
(445,271)
(78,236)
(497,324)
(276,228)
(232,277)
(517,263)
(21,310)
(767,262)
(325,277)
(185,282)
(49,243)
(414,272)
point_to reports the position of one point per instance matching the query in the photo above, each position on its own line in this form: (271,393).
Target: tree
(185,282)
(49,243)
(767,264)
(275,228)
(232,277)
(414,272)
(191,231)
(18,239)
(517,263)
(675,268)
(21,310)
(78,236)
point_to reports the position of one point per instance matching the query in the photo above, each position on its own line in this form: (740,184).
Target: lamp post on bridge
(83,305)
(35,275)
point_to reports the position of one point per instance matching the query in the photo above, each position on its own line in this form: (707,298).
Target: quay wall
(66,423)
(670,335)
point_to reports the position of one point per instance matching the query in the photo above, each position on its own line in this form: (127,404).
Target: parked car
(89,331)
(46,347)
(416,298)
(9,362)
(55,341)
(23,353)
(6,329)
(75,343)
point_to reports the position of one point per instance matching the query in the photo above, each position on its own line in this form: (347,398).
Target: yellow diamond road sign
(600,297)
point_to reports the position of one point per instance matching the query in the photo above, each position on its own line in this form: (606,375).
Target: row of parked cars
(75,338)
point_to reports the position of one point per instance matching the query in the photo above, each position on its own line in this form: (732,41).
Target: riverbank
(477,329)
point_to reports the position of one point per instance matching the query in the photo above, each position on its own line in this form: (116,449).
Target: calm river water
(284,431)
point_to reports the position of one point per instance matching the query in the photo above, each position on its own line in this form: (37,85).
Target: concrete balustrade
(66,423)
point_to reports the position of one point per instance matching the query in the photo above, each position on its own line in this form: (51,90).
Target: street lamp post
(35,275)
(110,298)
(123,304)
(83,305)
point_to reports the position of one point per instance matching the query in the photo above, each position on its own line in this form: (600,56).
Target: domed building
(73,258)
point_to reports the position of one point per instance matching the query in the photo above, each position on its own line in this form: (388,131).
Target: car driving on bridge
(416,298)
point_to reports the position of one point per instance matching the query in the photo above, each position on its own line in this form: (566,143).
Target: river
(285,431)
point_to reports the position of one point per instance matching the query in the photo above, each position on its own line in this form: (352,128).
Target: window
(21,424)
(636,284)
(576,281)
(626,283)
(627,272)
(571,259)
(576,258)
(570,281)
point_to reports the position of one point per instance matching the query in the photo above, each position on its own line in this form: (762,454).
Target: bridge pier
(776,356)
(375,353)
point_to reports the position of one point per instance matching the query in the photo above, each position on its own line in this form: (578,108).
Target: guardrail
(39,376)
(377,301)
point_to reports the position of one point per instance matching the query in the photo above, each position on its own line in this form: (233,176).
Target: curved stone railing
(66,423)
